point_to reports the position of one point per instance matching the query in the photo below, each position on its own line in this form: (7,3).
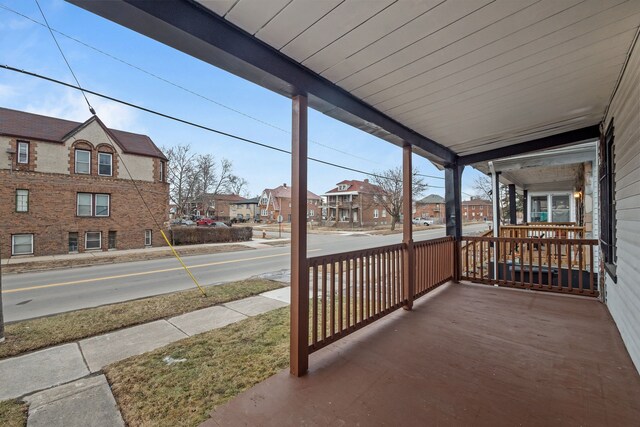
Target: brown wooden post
(513,218)
(299,340)
(407,225)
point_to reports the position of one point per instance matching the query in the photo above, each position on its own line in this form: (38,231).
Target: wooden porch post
(525,206)
(299,340)
(453,215)
(407,225)
(513,220)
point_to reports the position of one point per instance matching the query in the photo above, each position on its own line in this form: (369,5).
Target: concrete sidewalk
(34,263)
(64,386)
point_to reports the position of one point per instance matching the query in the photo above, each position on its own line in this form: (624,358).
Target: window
(342,187)
(89,204)
(73,242)
(105,164)
(312,212)
(22,200)
(112,239)
(93,240)
(22,244)
(539,209)
(264,212)
(84,204)
(607,198)
(162,171)
(148,234)
(560,208)
(375,213)
(384,213)
(23,152)
(83,162)
(102,204)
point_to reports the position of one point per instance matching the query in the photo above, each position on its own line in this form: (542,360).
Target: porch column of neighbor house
(453,214)
(407,225)
(299,340)
(525,206)
(513,220)
(495,197)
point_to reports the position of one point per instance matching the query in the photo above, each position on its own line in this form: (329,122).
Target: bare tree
(238,185)
(482,187)
(182,175)
(389,194)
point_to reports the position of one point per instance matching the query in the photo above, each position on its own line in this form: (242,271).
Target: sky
(29,46)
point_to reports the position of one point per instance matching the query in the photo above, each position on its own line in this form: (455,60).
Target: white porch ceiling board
(577,63)
(252,15)
(332,26)
(412,32)
(294,20)
(379,26)
(593,44)
(463,60)
(416,58)
(442,23)
(220,7)
(595,89)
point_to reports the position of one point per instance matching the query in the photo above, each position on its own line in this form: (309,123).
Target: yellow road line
(142,273)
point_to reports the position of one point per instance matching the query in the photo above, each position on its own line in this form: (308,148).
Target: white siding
(623,298)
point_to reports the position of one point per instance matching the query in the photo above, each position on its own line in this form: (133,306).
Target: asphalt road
(29,295)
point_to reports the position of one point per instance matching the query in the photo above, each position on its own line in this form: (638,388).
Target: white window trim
(78,205)
(26,153)
(85,240)
(148,237)
(13,252)
(549,195)
(27,204)
(110,164)
(95,204)
(376,213)
(161,171)
(75,159)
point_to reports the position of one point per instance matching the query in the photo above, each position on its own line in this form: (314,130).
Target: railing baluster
(569,268)
(332,314)
(549,248)
(473,271)
(315,304)
(361,284)
(591,287)
(379,280)
(340,296)
(324,298)
(559,256)
(580,267)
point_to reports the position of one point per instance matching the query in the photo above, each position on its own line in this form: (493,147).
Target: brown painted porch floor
(469,355)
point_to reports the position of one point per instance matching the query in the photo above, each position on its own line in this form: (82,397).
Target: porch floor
(466,355)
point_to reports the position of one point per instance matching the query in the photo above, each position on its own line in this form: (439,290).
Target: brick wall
(52,211)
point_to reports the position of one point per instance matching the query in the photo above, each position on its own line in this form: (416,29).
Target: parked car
(422,221)
(205,221)
(187,222)
(219,225)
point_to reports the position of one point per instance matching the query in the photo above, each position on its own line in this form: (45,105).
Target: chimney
(284,185)
(366,180)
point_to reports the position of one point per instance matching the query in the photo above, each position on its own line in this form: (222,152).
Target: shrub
(199,235)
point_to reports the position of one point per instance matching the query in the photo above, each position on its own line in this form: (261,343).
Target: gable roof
(354,185)
(431,198)
(51,129)
(284,191)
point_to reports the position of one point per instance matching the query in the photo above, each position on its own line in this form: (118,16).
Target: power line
(192,92)
(187,122)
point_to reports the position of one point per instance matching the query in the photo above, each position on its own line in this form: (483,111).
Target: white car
(422,221)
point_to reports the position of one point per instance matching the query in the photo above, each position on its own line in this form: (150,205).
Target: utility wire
(65,58)
(189,123)
(115,150)
(176,85)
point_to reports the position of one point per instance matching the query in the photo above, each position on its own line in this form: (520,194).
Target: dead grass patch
(13,413)
(44,332)
(218,365)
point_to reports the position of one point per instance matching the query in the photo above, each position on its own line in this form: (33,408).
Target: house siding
(623,297)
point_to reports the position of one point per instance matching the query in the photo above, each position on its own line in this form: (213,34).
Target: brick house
(216,206)
(355,202)
(477,209)
(245,210)
(277,201)
(65,187)
(430,207)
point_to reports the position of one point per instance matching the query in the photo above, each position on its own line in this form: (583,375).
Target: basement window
(93,240)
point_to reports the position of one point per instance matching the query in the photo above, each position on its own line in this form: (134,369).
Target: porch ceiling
(472,76)
(555,169)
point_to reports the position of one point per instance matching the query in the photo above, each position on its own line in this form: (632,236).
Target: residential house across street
(430,207)
(355,202)
(477,209)
(276,202)
(64,187)
(244,210)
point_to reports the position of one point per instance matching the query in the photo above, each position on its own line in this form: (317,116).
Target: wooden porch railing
(352,289)
(540,230)
(557,265)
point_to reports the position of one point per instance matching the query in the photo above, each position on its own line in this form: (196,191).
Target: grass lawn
(13,414)
(44,332)
(218,365)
